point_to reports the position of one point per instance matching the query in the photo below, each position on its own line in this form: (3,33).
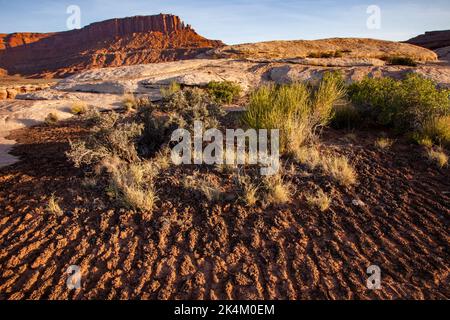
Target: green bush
(401,61)
(225,91)
(346,116)
(297,110)
(406,105)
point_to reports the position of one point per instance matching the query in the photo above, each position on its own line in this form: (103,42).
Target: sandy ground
(16,114)
(189,249)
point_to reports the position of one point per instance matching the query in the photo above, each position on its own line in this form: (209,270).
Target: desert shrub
(319,200)
(173,88)
(53,206)
(224,91)
(405,105)
(51,119)
(384,143)
(331,89)
(179,110)
(400,61)
(346,116)
(78,108)
(162,160)
(297,110)
(438,156)
(157,131)
(110,137)
(194,104)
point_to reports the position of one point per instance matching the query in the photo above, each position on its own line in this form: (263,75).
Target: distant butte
(110,43)
(432,39)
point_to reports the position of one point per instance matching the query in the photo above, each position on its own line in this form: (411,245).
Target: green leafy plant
(297,110)
(225,91)
(406,105)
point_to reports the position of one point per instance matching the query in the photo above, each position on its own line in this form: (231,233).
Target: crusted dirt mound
(116,42)
(347,47)
(397,218)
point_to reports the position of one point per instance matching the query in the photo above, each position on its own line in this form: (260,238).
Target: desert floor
(397,217)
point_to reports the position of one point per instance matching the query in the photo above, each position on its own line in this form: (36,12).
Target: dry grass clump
(438,129)
(133,103)
(438,156)
(173,88)
(319,200)
(339,168)
(133,185)
(79,108)
(247,189)
(162,160)
(384,143)
(51,119)
(205,185)
(53,206)
(425,141)
(277,190)
(309,156)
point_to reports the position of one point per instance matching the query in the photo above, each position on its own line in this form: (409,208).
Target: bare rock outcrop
(337,47)
(11,92)
(115,42)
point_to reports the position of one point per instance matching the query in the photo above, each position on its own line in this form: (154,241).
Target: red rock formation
(19,39)
(115,42)
(432,40)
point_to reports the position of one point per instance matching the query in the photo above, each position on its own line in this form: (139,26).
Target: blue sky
(239,21)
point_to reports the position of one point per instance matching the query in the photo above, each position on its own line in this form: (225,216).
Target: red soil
(191,249)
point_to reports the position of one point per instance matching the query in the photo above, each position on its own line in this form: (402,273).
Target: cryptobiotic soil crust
(396,217)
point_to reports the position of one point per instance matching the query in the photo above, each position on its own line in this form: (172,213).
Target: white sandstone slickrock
(105,88)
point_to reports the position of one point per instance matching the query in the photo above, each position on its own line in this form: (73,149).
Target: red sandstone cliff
(432,40)
(115,42)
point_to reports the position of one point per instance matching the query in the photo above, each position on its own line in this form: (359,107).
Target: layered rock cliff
(432,40)
(115,42)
